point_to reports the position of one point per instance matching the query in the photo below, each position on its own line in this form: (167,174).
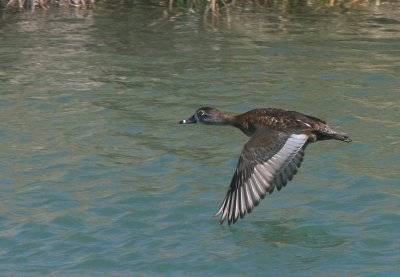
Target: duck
(272,155)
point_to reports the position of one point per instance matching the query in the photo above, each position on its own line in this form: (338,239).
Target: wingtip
(223,218)
(216,214)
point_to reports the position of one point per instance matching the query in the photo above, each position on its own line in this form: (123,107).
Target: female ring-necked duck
(272,155)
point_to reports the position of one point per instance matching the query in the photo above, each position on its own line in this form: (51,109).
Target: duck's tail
(329,133)
(342,136)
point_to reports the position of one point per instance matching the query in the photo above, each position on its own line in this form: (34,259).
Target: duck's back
(289,122)
(280,119)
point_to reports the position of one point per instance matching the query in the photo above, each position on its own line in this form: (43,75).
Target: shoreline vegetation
(213,8)
(213,12)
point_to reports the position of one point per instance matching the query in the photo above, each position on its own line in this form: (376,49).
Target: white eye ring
(201,112)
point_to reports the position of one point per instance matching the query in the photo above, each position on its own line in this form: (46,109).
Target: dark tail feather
(328,133)
(342,137)
(334,135)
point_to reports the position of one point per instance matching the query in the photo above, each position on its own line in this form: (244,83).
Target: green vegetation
(210,7)
(45,4)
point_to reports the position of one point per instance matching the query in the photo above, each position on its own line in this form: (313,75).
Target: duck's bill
(191,119)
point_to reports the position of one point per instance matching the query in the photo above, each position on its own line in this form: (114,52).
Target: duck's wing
(268,160)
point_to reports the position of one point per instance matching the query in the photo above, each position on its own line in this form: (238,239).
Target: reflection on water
(98,177)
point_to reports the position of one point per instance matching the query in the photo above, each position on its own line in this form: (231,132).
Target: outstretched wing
(269,159)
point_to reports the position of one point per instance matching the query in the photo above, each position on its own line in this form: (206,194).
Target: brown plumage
(272,155)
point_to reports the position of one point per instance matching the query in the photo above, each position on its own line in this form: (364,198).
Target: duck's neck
(222,119)
(236,121)
(228,119)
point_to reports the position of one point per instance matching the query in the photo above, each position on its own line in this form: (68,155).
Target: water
(98,179)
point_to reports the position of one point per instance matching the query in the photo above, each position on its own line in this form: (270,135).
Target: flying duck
(272,155)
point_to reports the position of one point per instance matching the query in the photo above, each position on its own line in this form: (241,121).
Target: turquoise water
(98,179)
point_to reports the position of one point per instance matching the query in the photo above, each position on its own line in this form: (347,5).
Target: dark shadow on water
(288,234)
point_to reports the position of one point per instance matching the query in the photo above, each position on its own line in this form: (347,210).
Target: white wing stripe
(237,208)
(254,192)
(258,185)
(264,177)
(249,202)
(242,202)
(266,171)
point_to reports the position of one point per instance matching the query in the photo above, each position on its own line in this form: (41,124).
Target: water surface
(98,179)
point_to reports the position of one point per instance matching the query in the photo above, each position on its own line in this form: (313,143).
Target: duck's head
(206,115)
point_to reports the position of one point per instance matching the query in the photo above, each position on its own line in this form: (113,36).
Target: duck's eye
(201,113)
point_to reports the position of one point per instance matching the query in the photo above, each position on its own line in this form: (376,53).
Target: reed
(45,4)
(211,8)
